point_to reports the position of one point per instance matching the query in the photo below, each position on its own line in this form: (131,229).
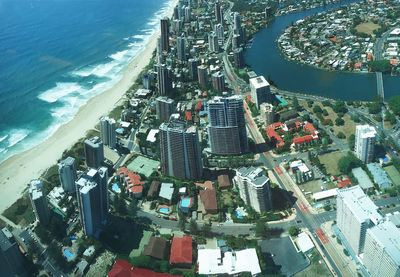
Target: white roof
(388,237)
(325,194)
(166,191)
(304,242)
(259,82)
(296,163)
(395,32)
(125,124)
(211,262)
(151,137)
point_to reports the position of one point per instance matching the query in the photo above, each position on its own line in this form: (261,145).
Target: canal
(296,77)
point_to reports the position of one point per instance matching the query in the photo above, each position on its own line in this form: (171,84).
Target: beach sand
(18,170)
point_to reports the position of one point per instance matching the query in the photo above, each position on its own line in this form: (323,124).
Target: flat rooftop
(388,236)
(143,165)
(360,204)
(259,82)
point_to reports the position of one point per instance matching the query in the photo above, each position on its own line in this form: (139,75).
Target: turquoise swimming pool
(115,188)
(164,210)
(186,202)
(68,254)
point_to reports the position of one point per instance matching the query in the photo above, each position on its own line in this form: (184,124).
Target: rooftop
(209,199)
(367,131)
(157,247)
(254,174)
(360,204)
(181,250)
(166,191)
(362,178)
(258,82)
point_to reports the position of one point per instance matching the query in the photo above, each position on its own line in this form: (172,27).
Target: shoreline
(17,170)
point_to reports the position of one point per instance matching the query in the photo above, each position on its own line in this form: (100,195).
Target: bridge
(379,85)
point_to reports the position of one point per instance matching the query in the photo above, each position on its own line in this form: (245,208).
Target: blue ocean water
(57,54)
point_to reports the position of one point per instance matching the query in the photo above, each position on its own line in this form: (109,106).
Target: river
(296,77)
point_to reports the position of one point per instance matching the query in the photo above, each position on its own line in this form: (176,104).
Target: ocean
(57,54)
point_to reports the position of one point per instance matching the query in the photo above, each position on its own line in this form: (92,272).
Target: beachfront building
(218,81)
(67,172)
(107,131)
(254,188)
(180,150)
(192,65)
(164,108)
(164,42)
(91,192)
(365,143)
(260,90)
(355,214)
(164,80)
(227,127)
(382,250)
(94,152)
(39,201)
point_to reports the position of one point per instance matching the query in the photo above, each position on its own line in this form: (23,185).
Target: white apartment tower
(382,250)
(67,172)
(254,188)
(260,90)
(107,130)
(365,143)
(355,214)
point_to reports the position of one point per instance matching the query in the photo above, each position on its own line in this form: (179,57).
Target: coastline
(18,170)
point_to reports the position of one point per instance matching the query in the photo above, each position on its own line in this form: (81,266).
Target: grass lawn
(227,198)
(21,212)
(330,161)
(316,268)
(393,174)
(145,240)
(367,27)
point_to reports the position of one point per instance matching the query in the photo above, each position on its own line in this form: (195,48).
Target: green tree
(294,231)
(341,135)
(193,227)
(206,230)
(351,140)
(182,222)
(339,121)
(380,66)
(261,229)
(394,104)
(348,162)
(133,208)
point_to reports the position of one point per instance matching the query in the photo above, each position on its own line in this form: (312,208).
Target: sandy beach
(18,170)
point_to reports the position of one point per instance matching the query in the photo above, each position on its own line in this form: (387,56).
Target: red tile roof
(344,183)
(224,181)
(181,250)
(132,180)
(122,268)
(199,106)
(136,189)
(303,139)
(309,127)
(271,133)
(188,116)
(209,199)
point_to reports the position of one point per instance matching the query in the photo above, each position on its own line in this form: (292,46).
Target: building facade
(218,81)
(11,259)
(254,188)
(202,76)
(39,201)
(94,152)
(164,34)
(260,90)
(91,191)
(365,143)
(67,172)
(164,80)
(164,108)
(107,131)
(180,150)
(267,113)
(355,214)
(227,127)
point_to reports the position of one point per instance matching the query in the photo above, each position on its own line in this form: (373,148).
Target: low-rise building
(181,251)
(209,199)
(167,191)
(362,178)
(157,247)
(301,172)
(380,176)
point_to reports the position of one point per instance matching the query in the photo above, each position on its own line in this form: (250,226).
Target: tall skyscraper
(192,64)
(355,214)
(91,192)
(180,150)
(238,57)
(219,31)
(164,108)
(237,22)
(227,127)
(188,13)
(254,188)
(159,52)
(11,258)
(181,48)
(202,75)
(107,131)
(235,42)
(382,250)
(164,80)
(218,81)
(260,90)
(217,11)
(213,45)
(39,201)
(365,143)
(164,34)
(94,152)
(67,172)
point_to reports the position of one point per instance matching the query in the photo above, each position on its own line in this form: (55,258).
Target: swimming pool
(186,202)
(68,254)
(115,188)
(164,210)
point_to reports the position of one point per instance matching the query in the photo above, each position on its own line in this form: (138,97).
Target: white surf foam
(119,56)
(16,136)
(3,138)
(59,91)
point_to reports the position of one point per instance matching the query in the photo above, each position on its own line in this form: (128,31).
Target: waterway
(265,58)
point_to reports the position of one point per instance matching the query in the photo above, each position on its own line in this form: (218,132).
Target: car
(298,221)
